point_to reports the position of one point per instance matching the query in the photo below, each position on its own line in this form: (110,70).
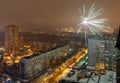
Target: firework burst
(92,20)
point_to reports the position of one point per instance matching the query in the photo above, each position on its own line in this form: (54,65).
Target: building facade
(101,53)
(11,39)
(32,65)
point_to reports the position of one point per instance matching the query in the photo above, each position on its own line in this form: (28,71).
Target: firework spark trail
(92,20)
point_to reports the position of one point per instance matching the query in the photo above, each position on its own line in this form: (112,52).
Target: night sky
(51,14)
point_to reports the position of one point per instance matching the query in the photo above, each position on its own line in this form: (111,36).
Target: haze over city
(51,14)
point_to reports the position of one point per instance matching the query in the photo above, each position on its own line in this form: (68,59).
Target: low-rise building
(37,64)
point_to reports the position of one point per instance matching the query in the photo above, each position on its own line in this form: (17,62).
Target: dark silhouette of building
(118,57)
(118,40)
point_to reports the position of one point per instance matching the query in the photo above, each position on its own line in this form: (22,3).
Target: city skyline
(59,41)
(48,15)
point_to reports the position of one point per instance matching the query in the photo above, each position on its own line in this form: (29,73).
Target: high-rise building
(101,53)
(11,39)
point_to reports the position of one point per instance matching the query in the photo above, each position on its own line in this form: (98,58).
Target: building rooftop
(34,55)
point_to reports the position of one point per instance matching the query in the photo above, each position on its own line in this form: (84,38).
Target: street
(62,70)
